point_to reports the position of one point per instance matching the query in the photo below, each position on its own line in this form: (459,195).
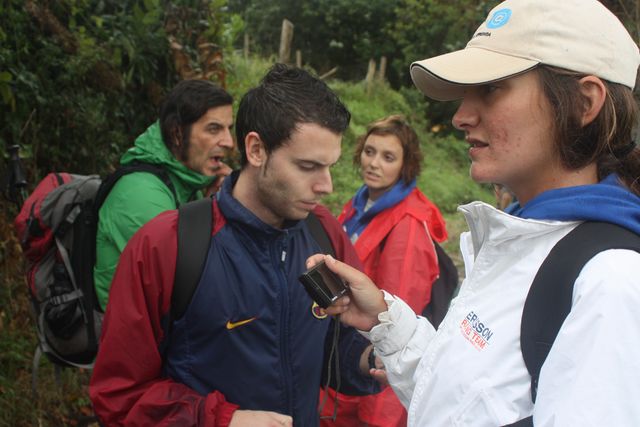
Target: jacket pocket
(477,408)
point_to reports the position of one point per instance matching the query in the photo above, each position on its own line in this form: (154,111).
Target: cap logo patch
(499,19)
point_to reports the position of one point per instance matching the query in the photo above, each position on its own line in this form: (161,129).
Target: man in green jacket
(189,141)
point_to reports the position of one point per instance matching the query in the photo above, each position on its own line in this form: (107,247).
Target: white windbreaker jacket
(471,372)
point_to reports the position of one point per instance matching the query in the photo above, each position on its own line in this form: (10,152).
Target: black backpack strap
(320,234)
(195,222)
(525,422)
(443,288)
(549,300)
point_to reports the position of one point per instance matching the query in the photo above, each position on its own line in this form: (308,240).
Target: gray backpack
(57,228)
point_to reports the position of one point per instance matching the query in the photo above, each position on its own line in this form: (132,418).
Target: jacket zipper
(284,325)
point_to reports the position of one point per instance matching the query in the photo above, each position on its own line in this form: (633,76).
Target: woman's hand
(361,306)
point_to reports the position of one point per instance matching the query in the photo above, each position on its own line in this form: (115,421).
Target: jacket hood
(149,148)
(608,201)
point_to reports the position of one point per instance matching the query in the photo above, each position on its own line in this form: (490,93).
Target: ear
(254,149)
(594,92)
(176,136)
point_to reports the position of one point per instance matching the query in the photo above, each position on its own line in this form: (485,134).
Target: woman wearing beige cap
(548,112)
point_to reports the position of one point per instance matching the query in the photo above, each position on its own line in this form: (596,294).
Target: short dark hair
(397,126)
(187,102)
(607,140)
(285,98)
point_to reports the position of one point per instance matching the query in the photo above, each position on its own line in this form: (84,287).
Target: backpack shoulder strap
(320,234)
(195,222)
(111,179)
(549,300)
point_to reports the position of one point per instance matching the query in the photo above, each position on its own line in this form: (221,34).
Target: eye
(389,158)
(307,167)
(489,88)
(214,129)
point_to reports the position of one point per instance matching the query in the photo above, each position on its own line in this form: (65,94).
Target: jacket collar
(489,225)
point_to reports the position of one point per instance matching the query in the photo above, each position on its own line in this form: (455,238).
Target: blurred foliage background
(80,79)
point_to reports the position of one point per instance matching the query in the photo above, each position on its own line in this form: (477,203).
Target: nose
(323,184)
(227,139)
(375,161)
(466,116)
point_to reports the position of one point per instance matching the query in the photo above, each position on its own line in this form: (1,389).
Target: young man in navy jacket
(250,348)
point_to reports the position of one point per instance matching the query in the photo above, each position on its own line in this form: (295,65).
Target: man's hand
(260,419)
(379,375)
(221,173)
(361,306)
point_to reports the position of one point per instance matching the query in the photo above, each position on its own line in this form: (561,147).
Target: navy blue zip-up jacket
(250,338)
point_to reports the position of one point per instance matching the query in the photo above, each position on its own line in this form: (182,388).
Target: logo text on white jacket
(476,332)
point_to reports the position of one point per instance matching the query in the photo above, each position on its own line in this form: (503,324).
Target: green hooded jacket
(135,199)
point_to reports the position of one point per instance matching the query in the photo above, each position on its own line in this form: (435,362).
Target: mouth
(475,145)
(216,161)
(309,206)
(371,175)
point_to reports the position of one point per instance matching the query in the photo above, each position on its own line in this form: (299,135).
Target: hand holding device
(363,303)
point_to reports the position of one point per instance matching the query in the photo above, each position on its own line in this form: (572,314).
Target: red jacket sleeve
(127,386)
(408,264)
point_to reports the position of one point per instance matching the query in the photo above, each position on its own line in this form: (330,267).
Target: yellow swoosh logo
(233,325)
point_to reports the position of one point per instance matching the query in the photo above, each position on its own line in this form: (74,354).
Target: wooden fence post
(371,72)
(298,58)
(286,36)
(383,68)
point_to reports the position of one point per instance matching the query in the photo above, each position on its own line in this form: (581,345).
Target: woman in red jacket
(391,224)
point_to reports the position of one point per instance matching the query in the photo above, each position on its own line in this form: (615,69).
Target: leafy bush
(77,92)
(79,80)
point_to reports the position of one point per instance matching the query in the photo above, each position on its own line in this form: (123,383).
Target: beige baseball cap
(578,35)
